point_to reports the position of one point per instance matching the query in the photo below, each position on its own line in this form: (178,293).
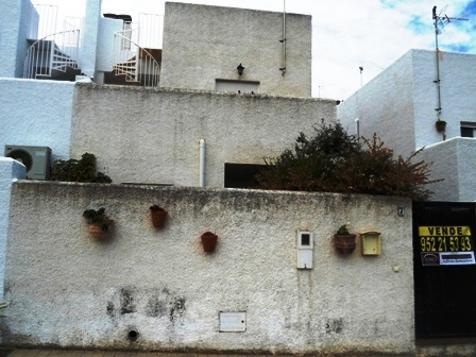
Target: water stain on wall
(334,326)
(128,305)
(155,302)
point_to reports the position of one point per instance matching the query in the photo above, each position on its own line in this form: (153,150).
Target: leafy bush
(334,161)
(83,170)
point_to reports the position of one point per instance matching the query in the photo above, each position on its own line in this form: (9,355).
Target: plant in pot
(158,215)
(344,241)
(440,126)
(209,241)
(99,225)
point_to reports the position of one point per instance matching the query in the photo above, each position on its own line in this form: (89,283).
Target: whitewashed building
(400,105)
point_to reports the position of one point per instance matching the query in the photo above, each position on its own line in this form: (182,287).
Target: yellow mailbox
(370,243)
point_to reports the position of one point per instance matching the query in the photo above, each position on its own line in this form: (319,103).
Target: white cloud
(347,33)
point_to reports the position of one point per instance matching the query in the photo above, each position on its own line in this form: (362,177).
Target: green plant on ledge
(83,170)
(333,161)
(343,230)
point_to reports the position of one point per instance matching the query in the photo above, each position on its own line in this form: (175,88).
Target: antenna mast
(440,21)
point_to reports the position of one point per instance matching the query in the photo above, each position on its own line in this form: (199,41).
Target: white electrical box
(232,321)
(305,250)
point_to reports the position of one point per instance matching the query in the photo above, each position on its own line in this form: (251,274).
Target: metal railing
(55,52)
(48,19)
(151,28)
(134,63)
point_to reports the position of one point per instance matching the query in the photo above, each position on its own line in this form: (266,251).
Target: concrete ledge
(200,91)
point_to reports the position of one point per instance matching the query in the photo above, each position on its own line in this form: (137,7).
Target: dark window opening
(468,129)
(242,175)
(467,132)
(305,239)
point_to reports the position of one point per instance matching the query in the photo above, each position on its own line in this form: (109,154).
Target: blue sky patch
(418,25)
(457,47)
(470,9)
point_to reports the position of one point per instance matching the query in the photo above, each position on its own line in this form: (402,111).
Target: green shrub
(334,161)
(83,170)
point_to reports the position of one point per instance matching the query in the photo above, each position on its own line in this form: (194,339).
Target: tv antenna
(440,20)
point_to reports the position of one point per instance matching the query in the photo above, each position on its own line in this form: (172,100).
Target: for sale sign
(446,245)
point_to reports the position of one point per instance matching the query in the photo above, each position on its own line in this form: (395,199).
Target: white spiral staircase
(135,64)
(53,57)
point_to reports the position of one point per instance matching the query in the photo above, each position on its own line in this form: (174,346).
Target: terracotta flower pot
(98,231)
(344,243)
(209,241)
(158,216)
(440,126)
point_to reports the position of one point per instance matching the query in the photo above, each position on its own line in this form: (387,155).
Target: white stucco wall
(454,161)
(467,169)
(148,136)
(384,106)
(67,290)
(458,88)
(36,113)
(399,104)
(105,48)
(9,170)
(18,18)
(205,43)
(89,37)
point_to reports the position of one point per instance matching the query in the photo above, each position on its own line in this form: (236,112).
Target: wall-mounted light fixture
(240,69)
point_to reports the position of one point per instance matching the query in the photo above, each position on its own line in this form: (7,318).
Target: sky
(347,34)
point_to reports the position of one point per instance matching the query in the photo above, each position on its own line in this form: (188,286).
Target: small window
(305,239)
(468,129)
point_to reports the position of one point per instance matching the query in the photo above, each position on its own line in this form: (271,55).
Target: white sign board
(457,258)
(232,321)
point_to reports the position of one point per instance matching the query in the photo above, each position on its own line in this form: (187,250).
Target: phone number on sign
(446,244)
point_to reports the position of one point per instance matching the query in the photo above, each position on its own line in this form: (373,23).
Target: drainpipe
(202,163)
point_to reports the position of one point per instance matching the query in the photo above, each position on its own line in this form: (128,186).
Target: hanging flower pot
(344,242)
(98,223)
(440,126)
(209,241)
(158,216)
(98,231)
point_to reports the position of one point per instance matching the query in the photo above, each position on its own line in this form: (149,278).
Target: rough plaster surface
(205,43)
(384,106)
(153,136)
(36,113)
(458,85)
(68,290)
(89,37)
(17,17)
(9,171)
(454,161)
(105,48)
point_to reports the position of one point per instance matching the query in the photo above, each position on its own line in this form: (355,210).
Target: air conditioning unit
(37,159)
